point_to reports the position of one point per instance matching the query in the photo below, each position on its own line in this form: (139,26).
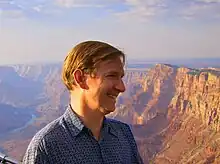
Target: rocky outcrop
(18,91)
(192,142)
(170,90)
(198,94)
(166,100)
(37,72)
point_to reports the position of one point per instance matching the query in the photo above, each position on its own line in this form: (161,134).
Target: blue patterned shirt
(67,140)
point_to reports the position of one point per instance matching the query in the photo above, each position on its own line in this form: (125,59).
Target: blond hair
(85,56)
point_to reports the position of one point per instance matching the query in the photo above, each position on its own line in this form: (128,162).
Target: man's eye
(111,75)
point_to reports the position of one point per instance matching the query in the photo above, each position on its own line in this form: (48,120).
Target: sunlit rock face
(166,99)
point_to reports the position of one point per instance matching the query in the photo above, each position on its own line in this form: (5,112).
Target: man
(93,73)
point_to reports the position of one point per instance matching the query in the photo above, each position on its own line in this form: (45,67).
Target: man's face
(105,86)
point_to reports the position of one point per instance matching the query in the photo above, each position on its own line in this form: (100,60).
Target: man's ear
(80,78)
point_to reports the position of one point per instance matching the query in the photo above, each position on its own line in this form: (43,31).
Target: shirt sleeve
(137,157)
(35,154)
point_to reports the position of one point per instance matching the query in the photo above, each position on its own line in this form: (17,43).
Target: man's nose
(120,86)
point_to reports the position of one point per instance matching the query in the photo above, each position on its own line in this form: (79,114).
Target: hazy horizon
(172,61)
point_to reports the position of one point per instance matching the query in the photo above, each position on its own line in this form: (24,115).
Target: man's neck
(92,119)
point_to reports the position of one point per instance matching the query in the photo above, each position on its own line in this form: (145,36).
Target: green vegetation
(198,72)
(194,72)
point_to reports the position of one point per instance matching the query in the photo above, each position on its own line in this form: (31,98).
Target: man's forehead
(112,66)
(116,61)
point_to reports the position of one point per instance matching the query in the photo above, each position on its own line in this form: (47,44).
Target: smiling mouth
(112,96)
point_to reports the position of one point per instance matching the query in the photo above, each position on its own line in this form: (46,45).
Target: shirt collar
(75,125)
(73,122)
(111,129)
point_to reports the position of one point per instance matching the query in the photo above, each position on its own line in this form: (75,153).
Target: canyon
(173,111)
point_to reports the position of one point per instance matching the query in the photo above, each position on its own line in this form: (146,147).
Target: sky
(33,31)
